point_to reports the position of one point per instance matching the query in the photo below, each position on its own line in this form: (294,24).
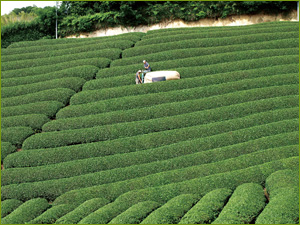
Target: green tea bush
(48,108)
(136,176)
(52,214)
(165,87)
(26,212)
(9,205)
(84,72)
(215,62)
(35,121)
(202,60)
(189,157)
(121,44)
(74,83)
(82,211)
(172,211)
(184,30)
(278,133)
(214,34)
(245,204)
(284,198)
(6,149)
(224,104)
(192,52)
(62,95)
(282,209)
(209,42)
(162,194)
(29,63)
(281,180)
(136,213)
(198,71)
(133,36)
(208,208)
(114,131)
(98,62)
(16,135)
(140,101)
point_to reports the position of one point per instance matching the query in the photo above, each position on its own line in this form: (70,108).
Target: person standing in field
(138,79)
(146,66)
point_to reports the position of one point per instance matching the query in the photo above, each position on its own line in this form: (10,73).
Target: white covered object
(161,76)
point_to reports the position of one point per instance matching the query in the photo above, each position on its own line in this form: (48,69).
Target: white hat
(144,61)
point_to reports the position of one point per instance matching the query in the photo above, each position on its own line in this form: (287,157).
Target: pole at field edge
(56,20)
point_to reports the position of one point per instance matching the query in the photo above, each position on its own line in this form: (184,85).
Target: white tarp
(161,76)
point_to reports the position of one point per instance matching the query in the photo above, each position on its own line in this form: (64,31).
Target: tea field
(81,143)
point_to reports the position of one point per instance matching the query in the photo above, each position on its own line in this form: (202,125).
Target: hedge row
(183,83)
(111,54)
(90,165)
(74,83)
(109,174)
(283,207)
(82,211)
(85,72)
(281,180)
(162,194)
(6,149)
(204,60)
(114,131)
(170,87)
(208,42)
(137,153)
(208,208)
(215,34)
(16,135)
(122,44)
(133,36)
(9,205)
(52,214)
(62,95)
(26,212)
(136,213)
(98,62)
(177,108)
(137,179)
(183,30)
(48,108)
(76,48)
(172,211)
(35,121)
(192,52)
(197,71)
(139,101)
(245,204)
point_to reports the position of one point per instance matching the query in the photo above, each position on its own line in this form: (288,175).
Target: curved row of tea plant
(213,42)
(197,71)
(39,157)
(41,70)
(86,72)
(214,34)
(208,208)
(35,121)
(111,54)
(73,83)
(52,189)
(62,95)
(192,52)
(161,194)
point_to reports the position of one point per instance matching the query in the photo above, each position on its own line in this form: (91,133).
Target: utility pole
(56,19)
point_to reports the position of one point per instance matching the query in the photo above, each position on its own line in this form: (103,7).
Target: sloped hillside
(81,143)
